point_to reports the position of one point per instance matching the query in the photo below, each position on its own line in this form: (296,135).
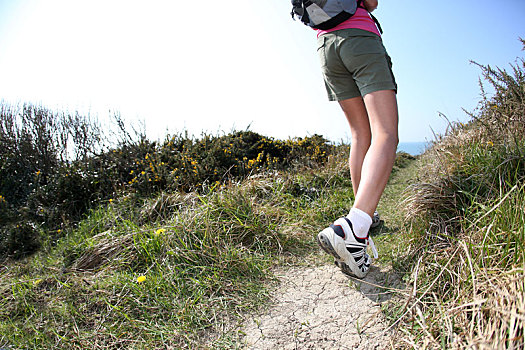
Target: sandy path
(321,308)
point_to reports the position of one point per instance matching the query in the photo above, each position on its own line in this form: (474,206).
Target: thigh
(382,112)
(357,116)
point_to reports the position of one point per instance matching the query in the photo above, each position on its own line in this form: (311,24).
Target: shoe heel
(325,244)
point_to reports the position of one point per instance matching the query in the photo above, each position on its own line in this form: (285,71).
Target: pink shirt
(360,20)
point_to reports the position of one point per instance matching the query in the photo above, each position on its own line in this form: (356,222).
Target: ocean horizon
(413,148)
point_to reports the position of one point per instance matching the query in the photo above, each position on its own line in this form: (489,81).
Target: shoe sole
(327,246)
(345,268)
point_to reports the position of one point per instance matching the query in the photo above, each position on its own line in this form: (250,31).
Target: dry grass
(108,249)
(467,236)
(475,309)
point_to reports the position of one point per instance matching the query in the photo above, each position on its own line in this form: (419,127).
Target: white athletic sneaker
(349,251)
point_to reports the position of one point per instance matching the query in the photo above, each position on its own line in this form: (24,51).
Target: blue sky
(242,63)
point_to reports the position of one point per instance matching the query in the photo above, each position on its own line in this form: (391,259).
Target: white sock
(361,222)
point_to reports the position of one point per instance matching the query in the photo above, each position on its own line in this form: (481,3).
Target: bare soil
(322,308)
(319,307)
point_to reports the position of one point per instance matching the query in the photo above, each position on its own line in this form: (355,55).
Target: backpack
(326,14)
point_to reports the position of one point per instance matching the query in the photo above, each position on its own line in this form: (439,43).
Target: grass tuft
(467,228)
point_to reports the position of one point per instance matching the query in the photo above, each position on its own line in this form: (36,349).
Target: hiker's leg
(381,107)
(357,117)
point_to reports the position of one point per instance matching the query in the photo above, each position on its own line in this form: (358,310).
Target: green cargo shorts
(354,63)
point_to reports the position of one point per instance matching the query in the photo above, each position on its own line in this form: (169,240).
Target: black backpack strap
(377,22)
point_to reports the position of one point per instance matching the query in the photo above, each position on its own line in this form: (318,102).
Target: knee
(393,140)
(361,134)
(390,139)
(362,140)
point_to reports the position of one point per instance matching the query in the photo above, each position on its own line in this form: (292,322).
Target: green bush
(54,167)
(35,146)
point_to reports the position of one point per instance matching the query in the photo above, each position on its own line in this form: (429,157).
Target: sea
(413,148)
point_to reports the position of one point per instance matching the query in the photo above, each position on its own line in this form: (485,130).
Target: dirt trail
(321,308)
(318,307)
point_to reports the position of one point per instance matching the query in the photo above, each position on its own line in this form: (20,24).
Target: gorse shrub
(54,167)
(35,145)
(182,163)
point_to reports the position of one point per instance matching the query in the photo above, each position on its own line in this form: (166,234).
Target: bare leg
(373,121)
(381,116)
(357,117)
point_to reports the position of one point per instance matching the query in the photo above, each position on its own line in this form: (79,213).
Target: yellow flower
(38,173)
(141,279)
(111,200)
(160,231)
(490,143)
(37,282)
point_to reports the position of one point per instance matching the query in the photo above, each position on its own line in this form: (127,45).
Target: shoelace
(373,246)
